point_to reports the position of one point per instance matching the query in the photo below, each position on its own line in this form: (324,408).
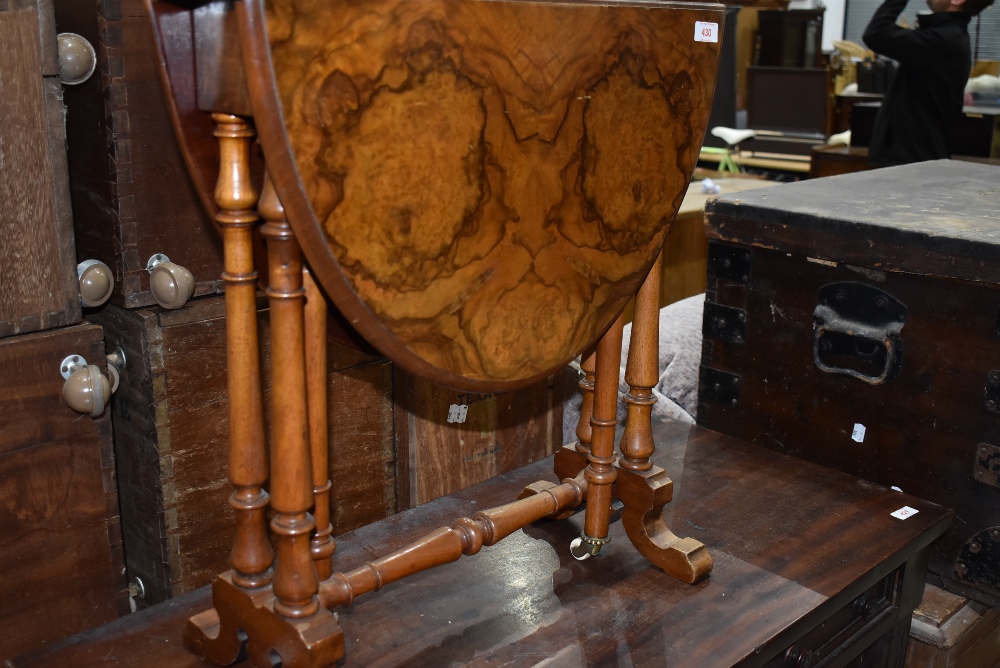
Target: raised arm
(884,37)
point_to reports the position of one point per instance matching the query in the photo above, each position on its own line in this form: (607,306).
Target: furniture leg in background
(322,543)
(643,489)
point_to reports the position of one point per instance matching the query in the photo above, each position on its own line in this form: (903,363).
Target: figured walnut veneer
(481,186)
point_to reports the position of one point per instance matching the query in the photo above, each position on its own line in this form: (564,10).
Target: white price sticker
(458,413)
(858,435)
(706,32)
(905,512)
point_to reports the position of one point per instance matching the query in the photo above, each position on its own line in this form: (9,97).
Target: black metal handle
(856,332)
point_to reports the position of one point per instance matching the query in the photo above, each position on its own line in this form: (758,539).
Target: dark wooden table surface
(794,545)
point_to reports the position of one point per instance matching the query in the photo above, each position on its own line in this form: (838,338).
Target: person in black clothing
(924,100)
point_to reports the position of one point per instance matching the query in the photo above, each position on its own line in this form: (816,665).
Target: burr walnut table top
(794,544)
(480,187)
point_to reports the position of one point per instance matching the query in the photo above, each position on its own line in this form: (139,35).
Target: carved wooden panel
(481,185)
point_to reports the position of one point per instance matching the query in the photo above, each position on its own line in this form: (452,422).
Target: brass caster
(585,547)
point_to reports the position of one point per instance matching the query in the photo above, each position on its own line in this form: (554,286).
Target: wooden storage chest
(855,321)
(61,566)
(950,631)
(171,438)
(131,193)
(38,285)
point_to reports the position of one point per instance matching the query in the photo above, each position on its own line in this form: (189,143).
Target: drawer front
(38,286)
(848,630)
(60,544)
(132,197)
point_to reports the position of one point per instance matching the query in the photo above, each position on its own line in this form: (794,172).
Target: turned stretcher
(478,188)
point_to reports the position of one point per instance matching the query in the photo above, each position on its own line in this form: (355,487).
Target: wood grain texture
(38,285)
(973,641)
(500,432)
(61,563)
(480,187)
(363,463)
(132,195)
(786,566)
(174,37)
(923,427)
(171,436)
(933,218)
(685,251)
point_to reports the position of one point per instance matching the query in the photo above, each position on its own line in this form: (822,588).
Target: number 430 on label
(706,32)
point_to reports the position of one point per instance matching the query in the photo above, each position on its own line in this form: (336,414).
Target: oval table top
(480,187)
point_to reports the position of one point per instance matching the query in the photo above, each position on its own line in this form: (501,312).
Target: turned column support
(584,430)
(322,543)
(643,488)
(601,472)
(295,580)
(236,197)
(282,622)
(641,373)
(571,459)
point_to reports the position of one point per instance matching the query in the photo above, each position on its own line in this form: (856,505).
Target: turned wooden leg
(467,535)
(266,615)
(641,373)
(295,580)
(600,471)
(251,557)
(322,544)
(643,487)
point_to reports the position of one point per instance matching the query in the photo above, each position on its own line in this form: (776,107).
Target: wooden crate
(455,439)
(950,631)
(38,284)
(853,321)
(171,440)
(61,567)
(131,193)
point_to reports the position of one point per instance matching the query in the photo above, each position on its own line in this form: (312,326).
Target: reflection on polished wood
(795,545)
(483,185)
